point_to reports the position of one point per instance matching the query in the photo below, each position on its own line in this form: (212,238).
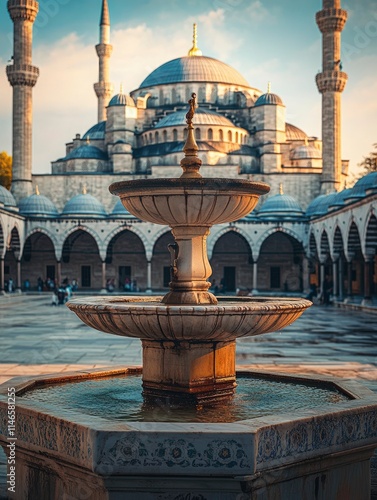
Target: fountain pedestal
(188,371)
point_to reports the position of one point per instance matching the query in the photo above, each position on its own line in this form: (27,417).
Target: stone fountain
(192,435)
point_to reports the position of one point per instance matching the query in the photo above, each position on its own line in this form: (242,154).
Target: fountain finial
(191,163)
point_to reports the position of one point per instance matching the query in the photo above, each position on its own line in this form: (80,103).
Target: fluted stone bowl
(189,202)
(147,318)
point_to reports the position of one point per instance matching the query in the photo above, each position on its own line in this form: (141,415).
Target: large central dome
(194,69)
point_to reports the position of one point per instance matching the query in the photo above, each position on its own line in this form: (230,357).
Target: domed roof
(320,205)
(268,98)
(96,132)
(37,205)
(85,205)
(365,183)
(294,133)
(194,69)
(120,211)
(6,198)
(339,199)
(280,205)
(305,152)
(122,100)
(86,151)
(203,116)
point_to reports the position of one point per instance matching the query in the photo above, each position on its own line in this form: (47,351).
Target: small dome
(268,98)
(280,205)
(122,100)
(84,205)
(202,117)
(320,205)
(6,198)
(359,190)
(294,133)
(120,211)
(305,152)
(97,132)
(88,152)
(339,199)
(194,69)
(37,205)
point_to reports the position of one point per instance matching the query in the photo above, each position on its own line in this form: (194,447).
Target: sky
(265,40)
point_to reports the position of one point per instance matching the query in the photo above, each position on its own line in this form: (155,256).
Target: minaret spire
(104,88)
(22,76)
(331,83)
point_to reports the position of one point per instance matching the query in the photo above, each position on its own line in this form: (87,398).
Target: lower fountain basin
(290,453)
(149,319)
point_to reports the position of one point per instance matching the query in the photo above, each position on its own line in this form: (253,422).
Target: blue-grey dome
(87,152)
(280,205)
(368,182)
(84,205)
(202,117)
(6,197)
(320,205)
(304,152)
(122,100)
(97,132)
(268,98)
(339,199)
(37,205)
(120,211)
(194,69)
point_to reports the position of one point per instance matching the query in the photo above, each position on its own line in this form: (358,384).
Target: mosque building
(67,224)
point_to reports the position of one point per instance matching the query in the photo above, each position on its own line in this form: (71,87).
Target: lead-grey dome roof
(87,152)
(122,100)
(280,205)
(194,69)
(203,116)
(84,205)
(320,205)
(6,198)
(96,132)
(304,152)
(268,98)
(294,133)
(37,205)
(120,211)
(368,182)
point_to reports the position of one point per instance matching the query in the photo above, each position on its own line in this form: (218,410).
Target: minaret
(104,89)
(331,82)
(22,75)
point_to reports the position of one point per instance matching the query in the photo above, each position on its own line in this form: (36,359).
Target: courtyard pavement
(37,338)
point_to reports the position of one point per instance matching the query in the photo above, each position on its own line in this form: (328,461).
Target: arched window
(230,136)
(165,136)
(197,134)
(236,137)
(210,134)
(150,138)
(156,137)
(175,134)
(221,135)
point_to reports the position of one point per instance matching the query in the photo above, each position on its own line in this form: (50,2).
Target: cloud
(257,12)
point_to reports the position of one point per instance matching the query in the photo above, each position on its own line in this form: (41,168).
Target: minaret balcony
(330,20)
(104,50)
(103,89)
(331,81)
(22,74)
(25,10)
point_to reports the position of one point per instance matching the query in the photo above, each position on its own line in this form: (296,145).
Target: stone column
(103,290)
(59,272)
(2,275)
(149,277)
(335,277)
(349,279)
(341,279)
(305,275)
(255,278)
(367,299)
(19,283)
(322,278)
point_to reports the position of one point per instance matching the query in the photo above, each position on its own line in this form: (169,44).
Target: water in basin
(120,399)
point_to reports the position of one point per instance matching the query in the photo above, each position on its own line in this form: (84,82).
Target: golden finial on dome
(194,51)
(84,190)
(37,190)
(281,188)
(191,163)
(269,88)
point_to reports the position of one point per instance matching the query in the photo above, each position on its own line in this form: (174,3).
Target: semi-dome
(365,183)
(6,198)
(84,205)
(194,69)
(120,211)
(320,205)
(122,100)
(37,205)
(97,132)
(304,152)
(203,116)
(88,152)
(294,133)
(280,205)
(267,99)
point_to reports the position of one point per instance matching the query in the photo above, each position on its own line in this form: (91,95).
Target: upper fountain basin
(148,318)
(189,201)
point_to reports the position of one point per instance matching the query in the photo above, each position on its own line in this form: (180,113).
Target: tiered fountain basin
(188,350)
(77,439)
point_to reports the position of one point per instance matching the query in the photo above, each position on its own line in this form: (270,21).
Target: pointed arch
(371,235)
(338,244)
(273,230)
(86,229)
(353,240)
(133,229)
(217,232)
(324,245)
